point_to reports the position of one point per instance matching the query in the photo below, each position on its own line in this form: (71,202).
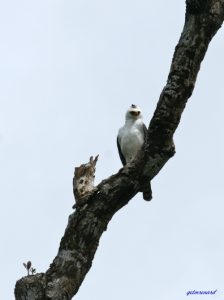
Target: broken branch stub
(83,181)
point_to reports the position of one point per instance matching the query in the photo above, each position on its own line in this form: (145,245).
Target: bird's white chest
(131,139)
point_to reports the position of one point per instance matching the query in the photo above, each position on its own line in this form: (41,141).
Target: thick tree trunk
(95,206)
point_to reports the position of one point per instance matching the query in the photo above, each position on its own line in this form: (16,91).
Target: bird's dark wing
(146,189)
(145,130)
(120,153)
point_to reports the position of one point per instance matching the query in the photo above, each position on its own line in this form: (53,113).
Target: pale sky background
(69,71)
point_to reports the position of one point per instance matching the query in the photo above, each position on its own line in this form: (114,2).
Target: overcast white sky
(69,71)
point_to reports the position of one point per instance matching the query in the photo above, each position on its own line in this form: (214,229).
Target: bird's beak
(135,113)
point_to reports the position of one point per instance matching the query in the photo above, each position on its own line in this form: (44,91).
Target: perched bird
(132,135)
(130,139)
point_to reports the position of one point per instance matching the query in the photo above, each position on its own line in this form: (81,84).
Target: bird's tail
(147,192)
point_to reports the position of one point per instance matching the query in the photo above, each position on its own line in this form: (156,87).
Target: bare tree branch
(96,205)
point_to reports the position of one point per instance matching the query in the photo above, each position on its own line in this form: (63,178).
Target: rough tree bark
(95,206)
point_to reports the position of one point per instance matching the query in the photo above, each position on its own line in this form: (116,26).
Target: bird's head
(133,113)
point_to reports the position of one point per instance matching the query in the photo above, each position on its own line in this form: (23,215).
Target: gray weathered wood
(83,182)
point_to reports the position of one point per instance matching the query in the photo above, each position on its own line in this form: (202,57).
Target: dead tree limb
(78,246)
(83,182)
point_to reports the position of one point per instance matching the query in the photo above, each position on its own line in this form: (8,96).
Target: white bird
(132,135)
(131,138)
